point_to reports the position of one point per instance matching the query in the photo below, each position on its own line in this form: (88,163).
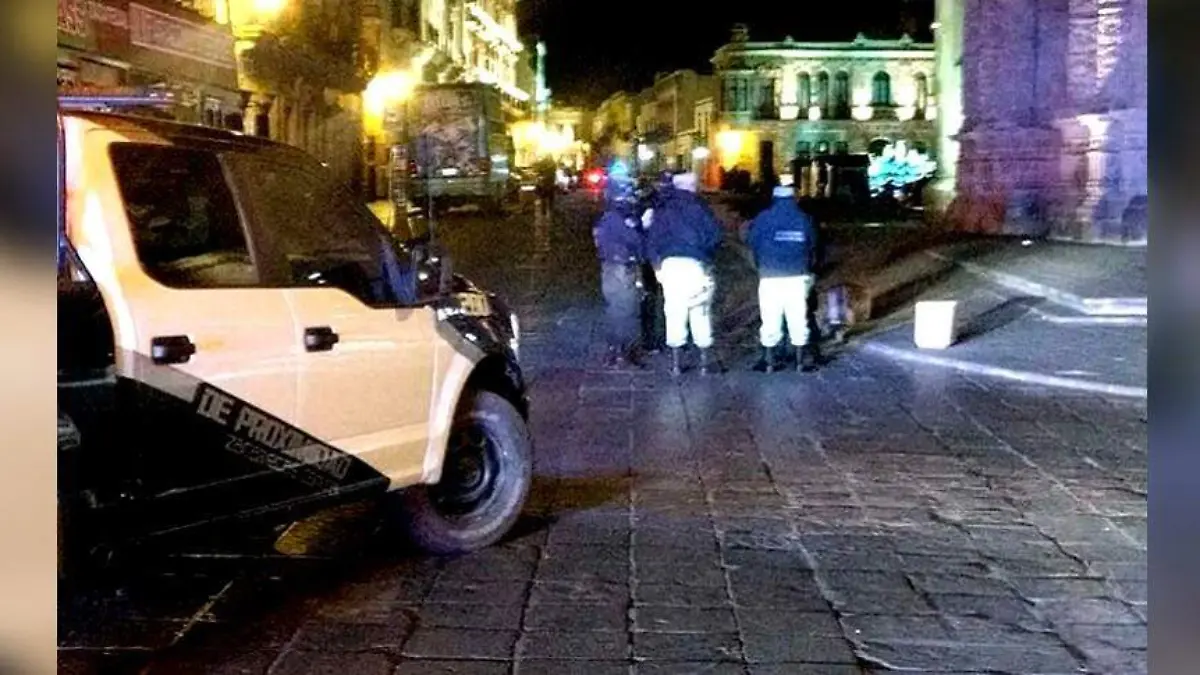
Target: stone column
(948,41)
(1004,151)
(1106,71)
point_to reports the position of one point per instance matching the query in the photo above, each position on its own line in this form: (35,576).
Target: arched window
(841,95)
(822,98)
(881,89)
(804,92)
(922,98)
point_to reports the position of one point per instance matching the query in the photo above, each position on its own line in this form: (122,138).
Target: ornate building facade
(783,100)
(1043,117)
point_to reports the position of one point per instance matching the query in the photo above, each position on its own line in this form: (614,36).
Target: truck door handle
(320,339)
(171,349)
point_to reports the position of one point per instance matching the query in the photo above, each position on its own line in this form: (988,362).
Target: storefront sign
(171,35)
(74,24)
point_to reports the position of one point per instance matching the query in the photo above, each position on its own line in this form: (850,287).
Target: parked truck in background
(460,150)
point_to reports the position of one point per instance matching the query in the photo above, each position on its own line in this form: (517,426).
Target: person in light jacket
(783,240)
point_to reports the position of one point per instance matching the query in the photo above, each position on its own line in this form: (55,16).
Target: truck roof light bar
(112,102)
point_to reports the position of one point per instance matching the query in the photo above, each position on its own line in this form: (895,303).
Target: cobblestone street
(870,517)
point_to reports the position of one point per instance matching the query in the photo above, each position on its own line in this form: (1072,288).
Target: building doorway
(766,162)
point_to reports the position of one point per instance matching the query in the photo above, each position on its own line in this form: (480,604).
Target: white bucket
(934,325)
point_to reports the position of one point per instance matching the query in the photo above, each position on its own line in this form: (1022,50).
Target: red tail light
(594,177)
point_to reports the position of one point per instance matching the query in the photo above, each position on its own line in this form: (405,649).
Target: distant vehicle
(461,153)
(594,179)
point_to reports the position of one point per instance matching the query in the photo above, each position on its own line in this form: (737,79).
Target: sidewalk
(1089,279)
(1023,313)
(1006,335)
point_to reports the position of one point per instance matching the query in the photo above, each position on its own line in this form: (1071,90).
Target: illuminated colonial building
(489,48)
(782,100)
(1044,109)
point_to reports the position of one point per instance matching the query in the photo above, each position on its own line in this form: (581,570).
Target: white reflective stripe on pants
(687,289)
(780,298)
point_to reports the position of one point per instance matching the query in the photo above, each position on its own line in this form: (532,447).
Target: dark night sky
(596,47)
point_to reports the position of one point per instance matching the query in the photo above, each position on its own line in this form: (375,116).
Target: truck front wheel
(485,479)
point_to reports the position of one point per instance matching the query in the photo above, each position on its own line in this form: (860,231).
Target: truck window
(185,225)
(326,236)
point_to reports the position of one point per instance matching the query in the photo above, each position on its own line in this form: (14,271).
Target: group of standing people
(667,241)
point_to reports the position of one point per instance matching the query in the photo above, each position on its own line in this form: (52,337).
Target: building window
(822,100)
(922,99)
(841,95)
(804,91)
(881,89)
(841,148)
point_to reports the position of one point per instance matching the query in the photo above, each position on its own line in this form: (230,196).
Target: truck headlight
(514,342)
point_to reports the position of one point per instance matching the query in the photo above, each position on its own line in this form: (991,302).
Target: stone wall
(1053,135)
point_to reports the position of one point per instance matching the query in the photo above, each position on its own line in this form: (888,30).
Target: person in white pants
(783,239)
(682,235)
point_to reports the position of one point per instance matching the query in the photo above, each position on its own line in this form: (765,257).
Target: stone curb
(1123,391)
(1089,306)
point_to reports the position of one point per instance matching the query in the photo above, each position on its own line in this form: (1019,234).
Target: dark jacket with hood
(618,235)
(683,226)
(784,240)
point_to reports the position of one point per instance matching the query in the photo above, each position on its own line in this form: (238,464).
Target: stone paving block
(807,669)
(865,580)
(1035,588)
(662,619)
(861,602)
(1117,661)
(466,615)
(688,668)
(441,667)
(682,574)
(782,648)
(349,637)
(584,568)
(702,647)
(559,667)
(1002,608)
(681,596)
(1111,636)
(331,663)
(961,584)
(896,627)
(578,617)
(590,645)
(955,657)
(461,643)
(580,590)
(479,592)
(1087,610)
(862,561)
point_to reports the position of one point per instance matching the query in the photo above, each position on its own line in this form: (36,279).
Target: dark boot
(676,360)
(709,365)
(808,359)
(766,362)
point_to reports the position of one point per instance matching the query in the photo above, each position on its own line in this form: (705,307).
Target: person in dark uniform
(619,248)
(783,240)
(547,184)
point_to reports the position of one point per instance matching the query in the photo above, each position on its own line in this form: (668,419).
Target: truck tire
(485,480)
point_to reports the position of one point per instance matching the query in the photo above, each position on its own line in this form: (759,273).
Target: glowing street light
(700,154)
(268,7)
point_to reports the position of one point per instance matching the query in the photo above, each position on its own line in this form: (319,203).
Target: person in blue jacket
(783,239)
(619,247)
(682,238)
